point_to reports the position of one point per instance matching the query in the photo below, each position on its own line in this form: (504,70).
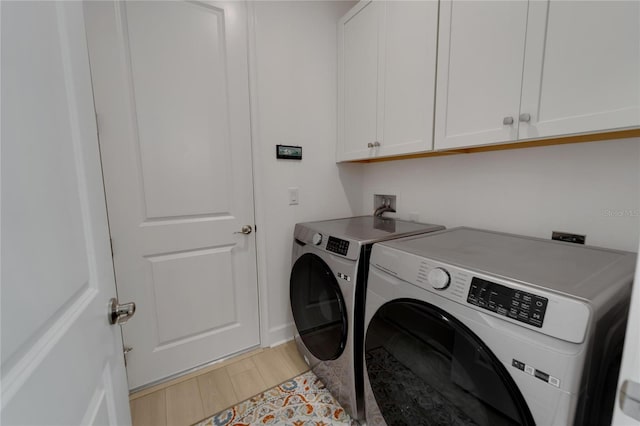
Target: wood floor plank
(274,366)
(149,410)
(203,370)
(240,366)
(247,383)
(192,397)
(184,405)
(216,391)
(290,352)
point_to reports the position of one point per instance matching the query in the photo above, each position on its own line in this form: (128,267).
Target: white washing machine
(327,287)
(467,326)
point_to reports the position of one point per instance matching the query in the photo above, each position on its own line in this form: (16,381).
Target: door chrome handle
(120,313)
(525,117)
(369,145)
(246,230)
(507,121)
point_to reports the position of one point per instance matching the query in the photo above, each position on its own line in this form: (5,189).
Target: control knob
(439,278)
(317,238)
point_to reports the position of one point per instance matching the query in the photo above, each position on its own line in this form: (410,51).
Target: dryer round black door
(318,307)
(426,367)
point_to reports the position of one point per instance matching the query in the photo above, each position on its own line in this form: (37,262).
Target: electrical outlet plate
(568,238)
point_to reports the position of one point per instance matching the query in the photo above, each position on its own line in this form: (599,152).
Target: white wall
(294,103)
(586,188)
(529,191)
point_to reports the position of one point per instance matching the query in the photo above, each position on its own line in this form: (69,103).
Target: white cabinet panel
(480,59)
(411,31)
(555,67)
(359,77)
(386,70)
(582,67)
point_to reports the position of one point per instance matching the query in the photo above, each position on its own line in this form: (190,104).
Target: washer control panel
(527,305)
(516,304)
(336,245)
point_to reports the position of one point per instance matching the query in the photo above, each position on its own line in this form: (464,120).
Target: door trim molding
(258,178)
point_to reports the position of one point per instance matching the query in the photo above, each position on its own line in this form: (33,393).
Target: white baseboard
(280,334)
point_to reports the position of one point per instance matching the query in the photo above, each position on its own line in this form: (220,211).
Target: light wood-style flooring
(190,398)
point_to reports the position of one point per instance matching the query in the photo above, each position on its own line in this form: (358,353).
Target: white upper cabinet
(518,70)
(480,57)
(386,77)
(582,67)
(358,65)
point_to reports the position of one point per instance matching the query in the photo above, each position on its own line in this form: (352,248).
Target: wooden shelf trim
(592,137)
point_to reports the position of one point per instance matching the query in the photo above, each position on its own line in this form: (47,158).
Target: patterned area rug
(301,401)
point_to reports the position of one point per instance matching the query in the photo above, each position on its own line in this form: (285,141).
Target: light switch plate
(293,196)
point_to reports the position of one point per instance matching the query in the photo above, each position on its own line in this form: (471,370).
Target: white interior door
(62,362)
(171,90)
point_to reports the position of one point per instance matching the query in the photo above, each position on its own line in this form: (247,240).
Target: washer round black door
(318,307)
(426,367)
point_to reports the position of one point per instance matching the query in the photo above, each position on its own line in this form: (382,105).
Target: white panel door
(358,81)
(62,363)
(480,60)
(172,98)
(408,73)
(582,67)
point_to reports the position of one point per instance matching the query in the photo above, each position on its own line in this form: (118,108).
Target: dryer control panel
(516,304)
(337,245)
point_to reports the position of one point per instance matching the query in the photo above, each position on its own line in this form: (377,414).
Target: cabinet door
(480,59)
(582,67)
(358,81)
(408,70)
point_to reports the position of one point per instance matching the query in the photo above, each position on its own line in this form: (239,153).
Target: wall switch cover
(293,196)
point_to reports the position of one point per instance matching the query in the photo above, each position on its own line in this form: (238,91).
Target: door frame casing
(259,205)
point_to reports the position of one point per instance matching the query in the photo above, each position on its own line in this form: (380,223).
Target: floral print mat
(301,401)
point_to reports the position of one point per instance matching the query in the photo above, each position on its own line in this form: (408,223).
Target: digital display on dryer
(515,304)
(337,245)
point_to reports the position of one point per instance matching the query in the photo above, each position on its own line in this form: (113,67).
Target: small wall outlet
(383,200)
(568,238)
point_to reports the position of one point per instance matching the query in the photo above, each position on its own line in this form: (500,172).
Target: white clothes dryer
(327,287)
(466,326)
